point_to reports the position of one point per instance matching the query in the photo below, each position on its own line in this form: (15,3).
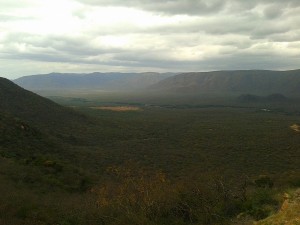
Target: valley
(139,112)
(145,158)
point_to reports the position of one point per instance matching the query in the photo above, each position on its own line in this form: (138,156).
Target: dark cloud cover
(197,7)
(168,7)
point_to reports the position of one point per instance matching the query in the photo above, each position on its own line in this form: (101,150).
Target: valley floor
(160,164)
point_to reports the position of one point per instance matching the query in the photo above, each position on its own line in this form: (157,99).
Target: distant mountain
(249,98)
(255,98)
(102,81)
(238,82)
(276,98)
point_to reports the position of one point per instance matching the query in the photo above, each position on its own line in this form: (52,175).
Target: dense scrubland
(189,159)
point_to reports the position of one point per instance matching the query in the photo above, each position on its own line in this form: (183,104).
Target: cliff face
(289,213)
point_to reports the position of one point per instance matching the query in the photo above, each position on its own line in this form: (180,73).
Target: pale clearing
(295,127)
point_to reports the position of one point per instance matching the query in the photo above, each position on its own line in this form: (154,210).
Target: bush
(136,195)
(261,203)
(264,181)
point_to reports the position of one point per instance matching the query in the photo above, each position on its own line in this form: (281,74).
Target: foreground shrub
(132,195)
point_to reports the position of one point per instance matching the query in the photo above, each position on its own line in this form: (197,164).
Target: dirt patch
(295,127)
(117,108)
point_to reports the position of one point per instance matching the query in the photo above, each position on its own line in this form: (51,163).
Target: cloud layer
(140,35)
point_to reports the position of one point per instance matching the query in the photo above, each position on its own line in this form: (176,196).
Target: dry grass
(117,108)
(295,127)
(290,216)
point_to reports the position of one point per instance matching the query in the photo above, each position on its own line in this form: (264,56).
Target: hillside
(38,111)
(29,106)
(34,148)
(270,98)
(100,81)
(233,82)
(18,139)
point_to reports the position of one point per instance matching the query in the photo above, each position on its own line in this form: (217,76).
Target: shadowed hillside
(33,151)
(270,98)
(30,106)
(38,111)
(18,139)
(230,82)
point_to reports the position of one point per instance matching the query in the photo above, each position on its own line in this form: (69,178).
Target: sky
(42,36)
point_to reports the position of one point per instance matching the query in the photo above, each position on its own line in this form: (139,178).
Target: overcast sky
(42,36)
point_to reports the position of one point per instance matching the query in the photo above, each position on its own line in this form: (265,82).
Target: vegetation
(175,161)
(288,213)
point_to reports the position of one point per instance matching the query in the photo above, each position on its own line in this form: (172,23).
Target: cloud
(197,7)
(167,7)
(273,11)
(140,35)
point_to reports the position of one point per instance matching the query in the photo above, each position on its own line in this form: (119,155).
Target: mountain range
(260,82)
(99,81)
(233,82)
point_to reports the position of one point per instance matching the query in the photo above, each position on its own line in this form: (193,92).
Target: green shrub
(264,181)
(261,203)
